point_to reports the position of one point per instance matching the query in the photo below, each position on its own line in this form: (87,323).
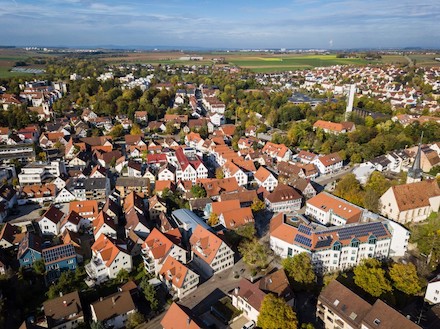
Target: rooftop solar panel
(303,240)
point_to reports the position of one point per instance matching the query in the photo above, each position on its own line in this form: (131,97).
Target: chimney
(61,294)
(113,300)
(65,303)
(236,290)
(188,321)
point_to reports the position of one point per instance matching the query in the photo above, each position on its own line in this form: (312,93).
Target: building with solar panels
(331,248)
(59,259)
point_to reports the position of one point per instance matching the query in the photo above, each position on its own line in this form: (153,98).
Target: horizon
(300,24)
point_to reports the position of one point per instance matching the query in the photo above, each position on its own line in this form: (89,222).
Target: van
(249,325)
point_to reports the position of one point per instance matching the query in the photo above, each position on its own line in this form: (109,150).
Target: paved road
(324,180)
(206,294)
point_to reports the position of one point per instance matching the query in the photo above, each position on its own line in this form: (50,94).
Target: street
(324,180)
(206,294)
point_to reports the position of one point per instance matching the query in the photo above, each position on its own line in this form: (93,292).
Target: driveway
(26,212)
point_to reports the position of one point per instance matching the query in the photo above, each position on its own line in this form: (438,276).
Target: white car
(249,325)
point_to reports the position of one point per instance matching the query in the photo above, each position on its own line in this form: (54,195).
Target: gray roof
(185,217)
(132,181)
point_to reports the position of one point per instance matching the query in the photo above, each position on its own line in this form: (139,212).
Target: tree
(135,319)
(135,130)
(246,231)
(122,276)
(42,156)
(117,131)
(150,294)
(350,189)
(369,276)
(219,173)
(299,268)
(198,191)
(275,313)
(405,279)
(254,253)
(257,205)
(213,219)
(39,267)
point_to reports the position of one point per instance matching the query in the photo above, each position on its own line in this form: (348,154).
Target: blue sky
(221,24)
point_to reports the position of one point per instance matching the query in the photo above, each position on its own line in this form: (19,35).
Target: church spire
(415,172)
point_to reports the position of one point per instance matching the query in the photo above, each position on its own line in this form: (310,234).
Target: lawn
(286,63)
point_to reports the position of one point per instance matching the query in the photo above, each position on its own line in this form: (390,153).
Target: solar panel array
(303,240)
(54,254)
(304,229)
(324,243)
(376,228)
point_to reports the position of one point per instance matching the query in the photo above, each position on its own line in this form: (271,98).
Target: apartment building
(330,248)
(37,173)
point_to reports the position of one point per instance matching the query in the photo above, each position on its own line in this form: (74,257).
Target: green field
(425,60)
(286,63)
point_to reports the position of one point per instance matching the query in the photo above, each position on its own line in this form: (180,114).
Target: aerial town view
(200,165)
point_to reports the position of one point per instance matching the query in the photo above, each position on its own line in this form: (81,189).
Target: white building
(328,164)
(108,258)
(432,294)
(210,253)
(330,248)
(113,311)
(158,246)
(412,202)
(266,179)
(36,173)
(329,209)
(178,278)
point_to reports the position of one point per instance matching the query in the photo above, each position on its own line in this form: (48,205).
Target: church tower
(415,172)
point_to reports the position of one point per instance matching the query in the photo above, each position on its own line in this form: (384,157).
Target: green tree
(122,276)
(39,267)
(213,219)
(275,313)
(117,131)
(369,276)
(150,294)
(134,320)
(258,205)
(405,279)
(350,189)
(135,130)
(246,231)
(299,268)
(198,191)
(219,173)
(254,253)
(42,156)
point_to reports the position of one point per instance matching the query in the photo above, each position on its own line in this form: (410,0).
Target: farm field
(8,58)
(425,60)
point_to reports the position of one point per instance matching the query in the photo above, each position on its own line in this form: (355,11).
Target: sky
(222,24)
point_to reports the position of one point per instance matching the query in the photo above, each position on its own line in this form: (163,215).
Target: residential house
(10,236)
(412,202)
(339,306)
(247,297)
(279,151)
(113,311)
(156,207)
(58,259)
(136,222)
(158,246)
(328,164)
(87,209)
(266,179)
(211,254)
(37,194)
(432,294)
(65,311)
(134,169)
(108,258)
(331,210)
(178,278)
(283,199)
(333,127)
(126,185)
(178,316)
(29,250)
(104,224)
(73,222)
(50,222)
